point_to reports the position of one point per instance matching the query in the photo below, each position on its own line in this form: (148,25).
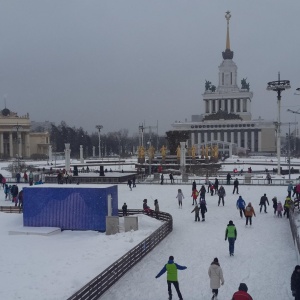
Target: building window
(220,104)
(244,105)
(231,105)
(213,106)
(238,105)
(206,106)
(226,105)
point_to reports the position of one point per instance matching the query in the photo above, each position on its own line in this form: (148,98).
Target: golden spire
(227,17)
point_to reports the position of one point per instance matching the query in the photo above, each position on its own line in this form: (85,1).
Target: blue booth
(69,207)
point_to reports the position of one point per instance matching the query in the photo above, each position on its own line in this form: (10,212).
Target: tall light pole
(99,127)
(278,86)
(289,150)
(17,127)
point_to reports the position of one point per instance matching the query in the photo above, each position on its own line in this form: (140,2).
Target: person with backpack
(279,209)
(240,204)
(172,277)
(221,194)
(287,204)
(202,192)
(203,208)
(249,213)
(215,274)
(194,195)
(231,235)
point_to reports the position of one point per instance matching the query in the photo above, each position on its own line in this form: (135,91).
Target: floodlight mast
(278,86)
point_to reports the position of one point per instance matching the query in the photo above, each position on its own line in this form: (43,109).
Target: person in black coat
(236,186)
(228,177)
(124,209)
(216,185)
(194,186)
(295,283)
(263,201)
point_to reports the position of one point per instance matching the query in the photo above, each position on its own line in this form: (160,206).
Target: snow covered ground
(54,267)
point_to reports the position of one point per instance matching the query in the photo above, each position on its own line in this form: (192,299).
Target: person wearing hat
(242,294)
(171,269)
(295,283)
(215,274)
(231,234)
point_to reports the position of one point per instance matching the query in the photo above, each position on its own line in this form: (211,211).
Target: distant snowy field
(54,267)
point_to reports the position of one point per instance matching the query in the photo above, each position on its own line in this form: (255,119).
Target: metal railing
(101,283)
(294,228)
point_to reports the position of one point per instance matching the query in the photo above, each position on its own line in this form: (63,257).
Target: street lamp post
(278,86)
(289,150)
(99,127)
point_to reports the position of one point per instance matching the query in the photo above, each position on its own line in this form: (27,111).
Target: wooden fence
(101,283)
(11,209)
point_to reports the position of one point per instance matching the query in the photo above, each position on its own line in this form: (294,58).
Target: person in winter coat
(195,196)
(25,176)
(171,178)
(124,209)
(215,274)
(231,235)
(203,208)
(146,208)
(156,208)
(263,201)
(202,192)
(221,194)
(194,186)
(18,177)
(279,209)
(274,200)
(294,191)
(15,192)
(236,186)
(249,212)
(196,210)
(180,197)
(129,183)
(162,179)
(289,189)
(211,188)
(7,192)
(216,185)
(20,197)
(172,278)
(242,294)
(228,177)
(295,283)
(287,205)
(298,190)
(240,204)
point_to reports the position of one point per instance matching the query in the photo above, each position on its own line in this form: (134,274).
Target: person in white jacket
(215,274)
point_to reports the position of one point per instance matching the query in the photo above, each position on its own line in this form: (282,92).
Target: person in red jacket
(242,294)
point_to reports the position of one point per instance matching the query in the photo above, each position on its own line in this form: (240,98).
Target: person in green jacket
(231,234)
(171,269)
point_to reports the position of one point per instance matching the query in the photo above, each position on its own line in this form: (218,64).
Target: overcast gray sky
(118,63)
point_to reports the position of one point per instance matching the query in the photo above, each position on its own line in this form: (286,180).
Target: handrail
(101,283)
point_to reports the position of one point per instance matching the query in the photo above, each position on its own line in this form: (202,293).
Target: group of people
(215,274)
(131,182)
(13,194)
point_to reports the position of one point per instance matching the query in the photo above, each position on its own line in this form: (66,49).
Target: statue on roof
(207,85)
(245,84)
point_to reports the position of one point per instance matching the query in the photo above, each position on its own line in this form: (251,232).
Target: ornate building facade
(16,138)
(227,120)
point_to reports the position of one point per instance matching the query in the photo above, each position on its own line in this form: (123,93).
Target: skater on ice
(172,278)
(180,197)
(240,204)
(249,213)
(215,274)
(231,235)
(242,294)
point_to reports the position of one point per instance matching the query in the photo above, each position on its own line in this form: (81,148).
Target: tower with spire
(227,120)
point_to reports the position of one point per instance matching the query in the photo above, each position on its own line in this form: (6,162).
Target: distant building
(227,120)
(16,138)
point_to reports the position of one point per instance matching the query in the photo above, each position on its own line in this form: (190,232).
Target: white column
(239,139)
(232,137)
(259,141)
(252,141)
(225,136)
(218,135)
(234,105)
(67,157)
(210,106)
(11,147)
(246,140)
(199,142)
(1,143)
(27,145)
(94,151)
(193,138)
(205,137)
(50,154)
(19,140)
(248,105)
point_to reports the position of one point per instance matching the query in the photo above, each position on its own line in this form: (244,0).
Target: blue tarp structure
(69,207)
